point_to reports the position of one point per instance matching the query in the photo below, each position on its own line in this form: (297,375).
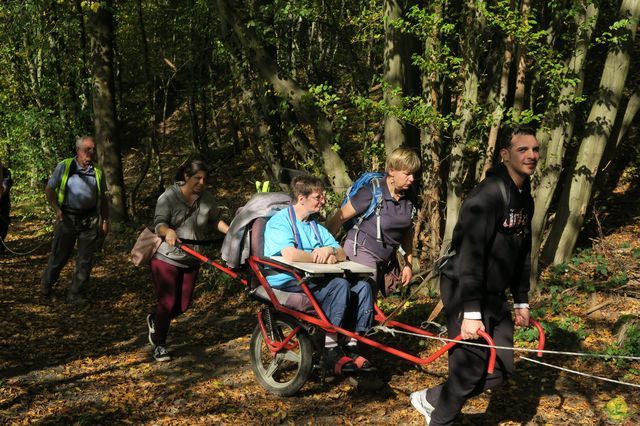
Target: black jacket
(492,240)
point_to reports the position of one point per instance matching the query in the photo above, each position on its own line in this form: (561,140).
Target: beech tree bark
(500,106)
(104,106)
(521,62)
(577,193)
(465,111)
(393,75)
(561,121)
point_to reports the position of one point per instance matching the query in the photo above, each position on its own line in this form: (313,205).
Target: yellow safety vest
(62,189)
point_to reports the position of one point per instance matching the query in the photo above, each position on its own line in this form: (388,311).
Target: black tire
(286,372)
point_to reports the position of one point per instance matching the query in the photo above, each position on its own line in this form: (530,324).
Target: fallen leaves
(92,365)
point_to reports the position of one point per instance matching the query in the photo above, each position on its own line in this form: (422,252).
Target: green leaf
(617,409)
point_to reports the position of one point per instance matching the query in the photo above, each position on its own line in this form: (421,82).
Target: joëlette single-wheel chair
(283,350)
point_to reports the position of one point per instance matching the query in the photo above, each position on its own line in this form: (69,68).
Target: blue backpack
(371,180)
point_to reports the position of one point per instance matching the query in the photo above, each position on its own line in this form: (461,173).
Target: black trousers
(84,230)
(5,207)
(468,375)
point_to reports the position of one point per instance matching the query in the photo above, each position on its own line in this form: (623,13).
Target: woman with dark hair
(185,210)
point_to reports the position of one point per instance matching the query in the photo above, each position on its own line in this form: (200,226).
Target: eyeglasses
(318,197)
(88,150)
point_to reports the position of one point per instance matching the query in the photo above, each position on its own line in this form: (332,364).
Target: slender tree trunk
(465,111)
(393,75)
(561,122)
(64,101)
(152,145)
(577,194)
(633,106)
(84,68)
(104,106)
(429,214)
(612,167)
(501,101)
(521,61)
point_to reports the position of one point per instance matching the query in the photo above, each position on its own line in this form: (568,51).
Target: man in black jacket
(492,242)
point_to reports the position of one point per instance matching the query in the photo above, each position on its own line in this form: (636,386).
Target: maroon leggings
(174,288)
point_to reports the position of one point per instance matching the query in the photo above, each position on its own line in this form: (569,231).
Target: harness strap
(377,197)
(296,233)
(70,163)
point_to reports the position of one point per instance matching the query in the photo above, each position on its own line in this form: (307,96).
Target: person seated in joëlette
(293,234)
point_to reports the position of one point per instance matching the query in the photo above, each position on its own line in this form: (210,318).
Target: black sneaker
(161,354)
(334,360)
(152,328)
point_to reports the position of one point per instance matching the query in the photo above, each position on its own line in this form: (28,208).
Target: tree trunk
(521,61)
(393,75)
(152,145)
(561,122)
(501,101)
(577,194)
(84,68)
(465,111)
(612,166)
(265,65)
(104,106)
(429,214)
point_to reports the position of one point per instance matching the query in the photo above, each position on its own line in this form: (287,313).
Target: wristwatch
(334,251)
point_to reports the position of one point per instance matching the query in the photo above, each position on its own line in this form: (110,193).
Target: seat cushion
(297,301)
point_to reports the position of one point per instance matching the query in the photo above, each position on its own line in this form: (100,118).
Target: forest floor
(92,364)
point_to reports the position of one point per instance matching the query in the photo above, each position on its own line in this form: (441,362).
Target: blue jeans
(343,304)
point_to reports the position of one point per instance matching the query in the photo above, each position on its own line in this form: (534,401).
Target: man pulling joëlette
(492,243)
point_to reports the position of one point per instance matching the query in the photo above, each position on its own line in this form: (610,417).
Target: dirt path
(91,364)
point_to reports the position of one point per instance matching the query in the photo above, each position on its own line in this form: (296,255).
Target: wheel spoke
(273,367)
(292,356)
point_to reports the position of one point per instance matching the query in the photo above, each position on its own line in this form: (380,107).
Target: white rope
(508,348)
(581,373)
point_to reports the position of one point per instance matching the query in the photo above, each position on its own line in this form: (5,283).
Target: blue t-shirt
(278,234)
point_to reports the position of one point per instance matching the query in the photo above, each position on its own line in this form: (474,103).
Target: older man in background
(77,193)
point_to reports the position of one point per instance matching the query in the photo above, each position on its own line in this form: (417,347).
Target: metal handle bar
(205,259)
(541,337)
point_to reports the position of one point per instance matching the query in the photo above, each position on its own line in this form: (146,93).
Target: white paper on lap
(326,268)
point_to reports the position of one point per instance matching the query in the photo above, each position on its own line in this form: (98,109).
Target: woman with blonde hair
(392,221)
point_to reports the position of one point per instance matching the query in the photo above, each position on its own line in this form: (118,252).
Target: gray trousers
(84,230)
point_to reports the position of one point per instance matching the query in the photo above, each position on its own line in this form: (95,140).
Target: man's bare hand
(469,329)
(522,317)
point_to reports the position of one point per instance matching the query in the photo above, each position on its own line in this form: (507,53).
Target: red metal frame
(320,320)
(276,347)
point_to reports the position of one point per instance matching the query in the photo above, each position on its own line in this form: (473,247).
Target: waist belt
(78,212)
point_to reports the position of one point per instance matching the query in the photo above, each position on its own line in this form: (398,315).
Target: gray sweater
(193,222)
(236,245)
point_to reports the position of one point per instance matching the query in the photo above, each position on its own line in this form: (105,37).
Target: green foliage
(617,409)
(629,347)
(616,34)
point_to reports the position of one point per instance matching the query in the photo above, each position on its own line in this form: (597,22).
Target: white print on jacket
(516,222)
